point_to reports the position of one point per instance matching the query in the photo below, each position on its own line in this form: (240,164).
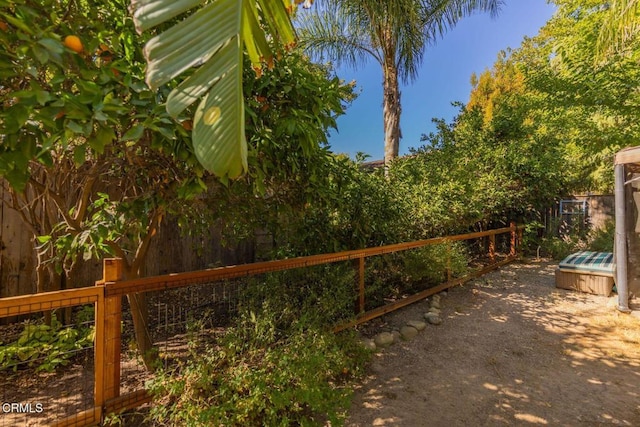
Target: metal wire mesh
(183,320)
(177,318)
(198,308)
(47,372)
(184,313)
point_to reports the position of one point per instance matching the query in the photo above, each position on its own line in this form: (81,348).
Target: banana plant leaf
(208,46)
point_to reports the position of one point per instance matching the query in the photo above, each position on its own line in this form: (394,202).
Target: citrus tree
(92,160)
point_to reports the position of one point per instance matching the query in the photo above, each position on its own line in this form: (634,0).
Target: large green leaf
(219,120)
(210,40)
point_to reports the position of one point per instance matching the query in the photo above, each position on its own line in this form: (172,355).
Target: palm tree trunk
(391,112)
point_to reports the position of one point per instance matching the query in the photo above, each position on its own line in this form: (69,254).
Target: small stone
(383,339)
(418,324)
(368,343)
(435,303)
(408,332)
(436,297)
(433,318)
(444,294)
(396,335)
(435,311)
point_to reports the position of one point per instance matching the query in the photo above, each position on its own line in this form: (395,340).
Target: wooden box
(584,282)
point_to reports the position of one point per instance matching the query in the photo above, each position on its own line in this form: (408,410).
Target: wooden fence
(106,297)
(170,252)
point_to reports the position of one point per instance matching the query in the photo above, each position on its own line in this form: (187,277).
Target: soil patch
(512,350)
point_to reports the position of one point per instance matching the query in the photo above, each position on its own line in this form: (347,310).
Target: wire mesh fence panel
(390,278)
(47,370)
(183,321)
(326,291)
(184,313)
(178,319)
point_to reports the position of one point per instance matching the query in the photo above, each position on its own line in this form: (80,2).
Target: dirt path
(513,350)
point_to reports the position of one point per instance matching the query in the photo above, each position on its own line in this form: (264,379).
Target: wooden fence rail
(107,299)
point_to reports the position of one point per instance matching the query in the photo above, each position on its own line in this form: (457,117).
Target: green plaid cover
(589,262)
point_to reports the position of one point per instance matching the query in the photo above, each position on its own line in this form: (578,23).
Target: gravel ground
(512,350)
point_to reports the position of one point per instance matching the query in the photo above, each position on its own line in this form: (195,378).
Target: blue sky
(472,46)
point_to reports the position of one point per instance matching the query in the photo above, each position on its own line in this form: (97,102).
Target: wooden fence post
(448,268)
(108,350)
(492,248)
(98,353)
(519,240)
(512,251)
(358,265)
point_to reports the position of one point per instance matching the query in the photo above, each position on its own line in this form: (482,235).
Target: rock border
(411,329)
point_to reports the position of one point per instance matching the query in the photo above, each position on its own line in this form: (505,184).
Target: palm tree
(394,32)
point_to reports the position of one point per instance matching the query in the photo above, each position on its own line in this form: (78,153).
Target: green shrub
(320,295)
(429,264)
(384,277)
(560,247)
(299,380)
(279,365)
(602,239)
(46,347)
(395,275)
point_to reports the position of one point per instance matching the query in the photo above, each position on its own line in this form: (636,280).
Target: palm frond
(331,33)
(428,20)
(621,25)
(442,15)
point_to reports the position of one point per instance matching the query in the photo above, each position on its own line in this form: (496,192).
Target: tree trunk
(140,317)
(391,112)
(41,284)
(138,301)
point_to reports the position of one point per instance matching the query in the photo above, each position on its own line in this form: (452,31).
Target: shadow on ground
(513,350)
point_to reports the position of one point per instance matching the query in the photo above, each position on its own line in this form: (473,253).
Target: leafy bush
(298,380)
(602,239)
(429,264)
(396,275)
(384,279)
(560,247)
(46,347)
(279,365)
(320,295)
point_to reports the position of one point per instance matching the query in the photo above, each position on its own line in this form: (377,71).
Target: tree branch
(120,253)
(84,199)
(59,202)
(143,247)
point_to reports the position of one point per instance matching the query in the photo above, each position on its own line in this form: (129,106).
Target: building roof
(628,155)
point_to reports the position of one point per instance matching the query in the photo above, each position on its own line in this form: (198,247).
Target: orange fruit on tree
(74,43)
